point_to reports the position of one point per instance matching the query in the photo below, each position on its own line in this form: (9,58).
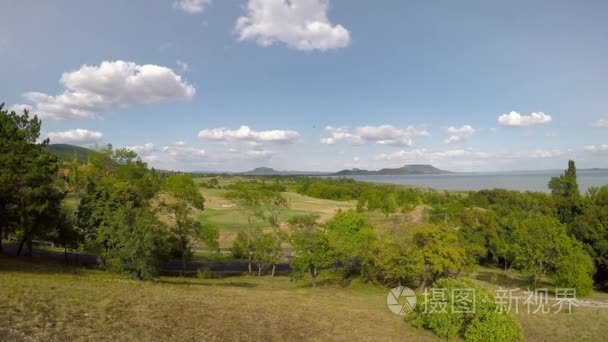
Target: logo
(401,300)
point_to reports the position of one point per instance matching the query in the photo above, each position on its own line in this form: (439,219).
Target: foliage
(30,198)
(266,250)
(476,320)
(135,242)
(311,250)
(184,197)
(350,236)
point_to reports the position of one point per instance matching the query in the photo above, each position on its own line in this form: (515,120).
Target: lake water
(523,181)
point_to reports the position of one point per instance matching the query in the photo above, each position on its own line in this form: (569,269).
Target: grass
(223,213)
(46,301)
(51,302)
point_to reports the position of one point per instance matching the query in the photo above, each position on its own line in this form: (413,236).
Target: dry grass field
(42,301)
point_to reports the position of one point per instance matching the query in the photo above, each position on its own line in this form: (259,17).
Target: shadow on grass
(189,282)
(11,263)
(509,280)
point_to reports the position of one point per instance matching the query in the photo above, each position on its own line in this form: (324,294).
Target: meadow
(47,301)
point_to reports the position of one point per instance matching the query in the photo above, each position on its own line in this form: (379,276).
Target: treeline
(131,216)
(562,234)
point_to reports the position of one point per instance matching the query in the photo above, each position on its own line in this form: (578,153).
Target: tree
(275,204)
(30,196)
(575,268)
(266,251)
(565,190)
(311,250)
(135,241)
(185,196)
(249,200)
(436,252)
(350,236)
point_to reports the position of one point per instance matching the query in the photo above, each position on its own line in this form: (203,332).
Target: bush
(475,321)
(205,273)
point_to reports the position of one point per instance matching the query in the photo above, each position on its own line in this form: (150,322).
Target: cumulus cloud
(76,137)
(382,135)
(459,134)
(247,135)
(300,24)
(142,150)
(19,108)
(597,148)
(92,89)
(601,123)
(192,6)
(514,119)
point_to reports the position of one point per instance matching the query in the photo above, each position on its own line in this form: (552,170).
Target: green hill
(66,152)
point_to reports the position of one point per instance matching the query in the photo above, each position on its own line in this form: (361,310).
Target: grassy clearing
(50,302)
(45,301)
(224,214)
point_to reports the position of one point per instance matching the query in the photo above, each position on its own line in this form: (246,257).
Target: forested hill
(413,169)
(66,152)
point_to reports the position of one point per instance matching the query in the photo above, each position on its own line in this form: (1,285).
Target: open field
(46,301)
(50,302)
(226,215)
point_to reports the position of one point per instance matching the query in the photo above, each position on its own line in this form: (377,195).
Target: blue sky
(319,85)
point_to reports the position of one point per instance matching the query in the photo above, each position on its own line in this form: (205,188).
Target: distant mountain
(267,171)
(413,169)
(65,152)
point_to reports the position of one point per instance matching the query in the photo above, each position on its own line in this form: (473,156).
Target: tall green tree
(311,250)
(249,200)
(30,195)
(350,236)
(567,196)
(184,198)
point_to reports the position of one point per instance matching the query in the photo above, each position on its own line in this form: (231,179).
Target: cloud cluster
(425,155)
(300,24)
(458,134)
(514,119)
(249,136)
(75,137)
(92,89)
(382,135)
(192,6)
(597,148)
(19,108)
(601,123)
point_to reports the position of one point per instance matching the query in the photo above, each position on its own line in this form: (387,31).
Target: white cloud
(258,154)
(601,123)
(19,108)
(300,24)
(246,135)
(514,119)
(183,66)
(75,136)
(142,150)
(597,148)
(459,134)
(382,135)
(429,155)
(192,6)
(92,89)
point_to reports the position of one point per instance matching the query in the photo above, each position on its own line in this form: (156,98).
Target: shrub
(477,320)
(205,273)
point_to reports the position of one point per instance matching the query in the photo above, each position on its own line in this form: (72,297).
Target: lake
(522,181)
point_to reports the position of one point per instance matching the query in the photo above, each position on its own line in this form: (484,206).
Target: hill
(66,152)
(413,169)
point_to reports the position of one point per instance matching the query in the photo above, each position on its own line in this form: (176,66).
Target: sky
(229,85)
